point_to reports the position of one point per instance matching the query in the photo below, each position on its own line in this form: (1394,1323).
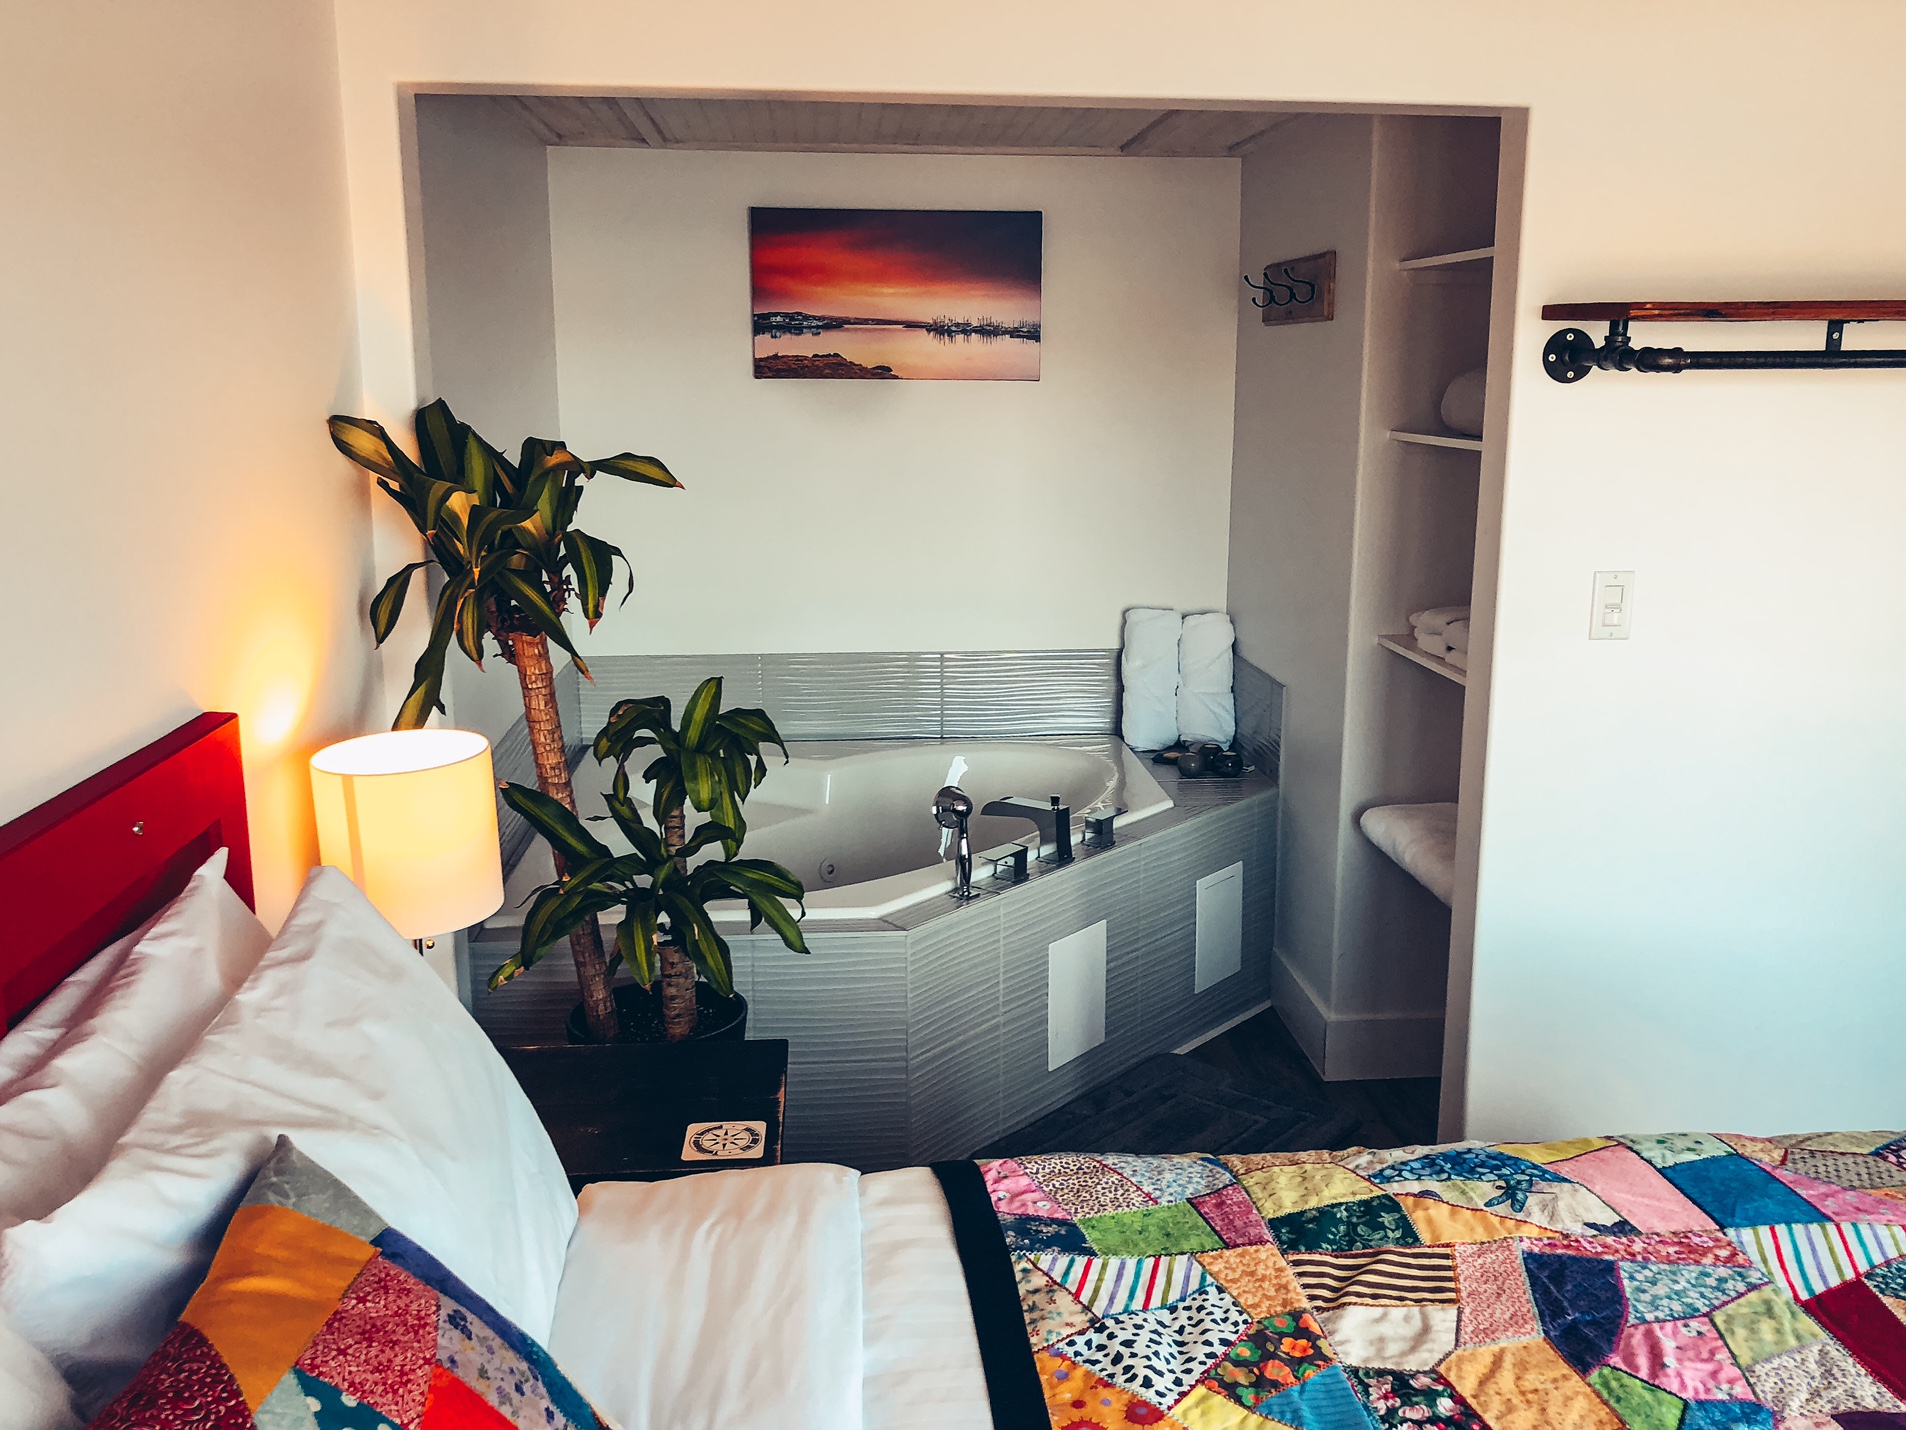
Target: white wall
(900,515)
(1689,906)
(490,317)
(1293,520)
(177,304)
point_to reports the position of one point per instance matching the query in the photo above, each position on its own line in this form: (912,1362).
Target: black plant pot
(639,1011)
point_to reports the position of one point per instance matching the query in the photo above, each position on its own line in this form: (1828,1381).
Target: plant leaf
(700,712)
(426,679)
(555,823)
(471,625)
(635,940)
(593,562)
(704,835)
(632,468)
(388,604)
(440,441)
(369,445)
(479,472)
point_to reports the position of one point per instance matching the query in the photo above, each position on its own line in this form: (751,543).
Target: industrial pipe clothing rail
(1571,354)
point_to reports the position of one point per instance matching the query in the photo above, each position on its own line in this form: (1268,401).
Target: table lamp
(410,815)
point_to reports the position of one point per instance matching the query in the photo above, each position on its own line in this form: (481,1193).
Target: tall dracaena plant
(713,762)
(513,562)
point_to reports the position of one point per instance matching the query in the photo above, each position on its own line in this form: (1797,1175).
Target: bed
(323,1081)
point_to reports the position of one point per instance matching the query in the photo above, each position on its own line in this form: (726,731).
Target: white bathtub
(852,820)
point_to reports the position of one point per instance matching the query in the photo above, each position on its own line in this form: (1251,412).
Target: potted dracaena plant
(711,761)
(513,562)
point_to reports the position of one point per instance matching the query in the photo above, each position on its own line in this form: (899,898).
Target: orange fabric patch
(1077,1398)
(1258,1278)
(276,1280)
(1440,1223)
(452,1405)
(1526,1385)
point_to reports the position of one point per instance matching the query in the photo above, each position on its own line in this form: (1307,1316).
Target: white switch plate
(1219,951)
(1612,606)
(1075,995)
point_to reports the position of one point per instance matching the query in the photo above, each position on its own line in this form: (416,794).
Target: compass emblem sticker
(724,1141)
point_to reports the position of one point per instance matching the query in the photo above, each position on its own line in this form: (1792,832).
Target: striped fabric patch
(1808,1258)
(1110,1285)
(1390,1276)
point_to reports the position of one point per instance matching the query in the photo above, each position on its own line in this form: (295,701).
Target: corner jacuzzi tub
(852,820)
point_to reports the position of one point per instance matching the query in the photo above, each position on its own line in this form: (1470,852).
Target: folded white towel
(1206,709)
(1434,619)
(1148,669)
(1434,645)
(1459,659)
(1457,634)
(1421,838)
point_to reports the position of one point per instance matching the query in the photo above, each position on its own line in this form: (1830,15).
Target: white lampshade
(411,817)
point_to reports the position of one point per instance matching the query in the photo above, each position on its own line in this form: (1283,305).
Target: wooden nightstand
(630,1112)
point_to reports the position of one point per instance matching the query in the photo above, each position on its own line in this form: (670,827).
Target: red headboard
(94,862)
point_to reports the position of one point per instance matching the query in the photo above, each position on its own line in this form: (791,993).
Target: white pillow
(32,1395)
(68,1097)
(344,1040)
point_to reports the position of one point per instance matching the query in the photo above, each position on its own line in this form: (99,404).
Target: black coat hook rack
(1572,354)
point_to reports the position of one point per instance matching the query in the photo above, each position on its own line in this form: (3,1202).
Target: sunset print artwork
(883,294)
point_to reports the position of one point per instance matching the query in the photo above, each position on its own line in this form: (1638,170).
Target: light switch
(1614,599)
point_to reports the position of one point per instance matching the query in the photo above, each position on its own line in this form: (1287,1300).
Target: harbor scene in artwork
(894,294)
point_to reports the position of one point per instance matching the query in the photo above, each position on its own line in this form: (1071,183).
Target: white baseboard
(1353,1047)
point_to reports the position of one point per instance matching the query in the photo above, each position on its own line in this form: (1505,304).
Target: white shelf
(1405,646)
(1447,260)
(1437,439)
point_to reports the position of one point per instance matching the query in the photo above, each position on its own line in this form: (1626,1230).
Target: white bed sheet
(795,1297)
(921,1368)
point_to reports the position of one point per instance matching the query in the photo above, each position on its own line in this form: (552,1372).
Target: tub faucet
(952,807)
(1054,821)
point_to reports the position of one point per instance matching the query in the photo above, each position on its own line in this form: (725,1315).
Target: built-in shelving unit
(1437,439)
(1406,646)
(1447,260)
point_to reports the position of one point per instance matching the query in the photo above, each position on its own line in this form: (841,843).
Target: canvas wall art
(894,294)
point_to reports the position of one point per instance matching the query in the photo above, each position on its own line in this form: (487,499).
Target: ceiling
(838,126)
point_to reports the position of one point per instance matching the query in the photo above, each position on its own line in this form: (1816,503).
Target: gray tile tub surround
(917,695)
(912,1045)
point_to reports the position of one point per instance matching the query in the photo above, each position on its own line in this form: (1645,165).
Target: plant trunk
(530,655)
(678,973)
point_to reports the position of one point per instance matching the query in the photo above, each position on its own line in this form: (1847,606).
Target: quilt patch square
(1273,1355)
(1738,1191)
(1345,1226)
(1580,1303)
(1233,1215)
(1687,1358)
(1258,1278)
(1171,1179)
(1169,1230)
(1407,1400)
(1391,1276)
(1084,1186)
(1658,1292)
(1159,1355)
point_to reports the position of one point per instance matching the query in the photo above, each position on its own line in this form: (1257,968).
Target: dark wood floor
(1261,1054)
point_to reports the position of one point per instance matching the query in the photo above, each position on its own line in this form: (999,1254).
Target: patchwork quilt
(1683,1282)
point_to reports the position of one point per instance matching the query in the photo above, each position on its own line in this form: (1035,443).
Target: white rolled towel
(1148,671)
(1431,644)
(1206,708)
(1457,634)
(1459,659)
(1434,619)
